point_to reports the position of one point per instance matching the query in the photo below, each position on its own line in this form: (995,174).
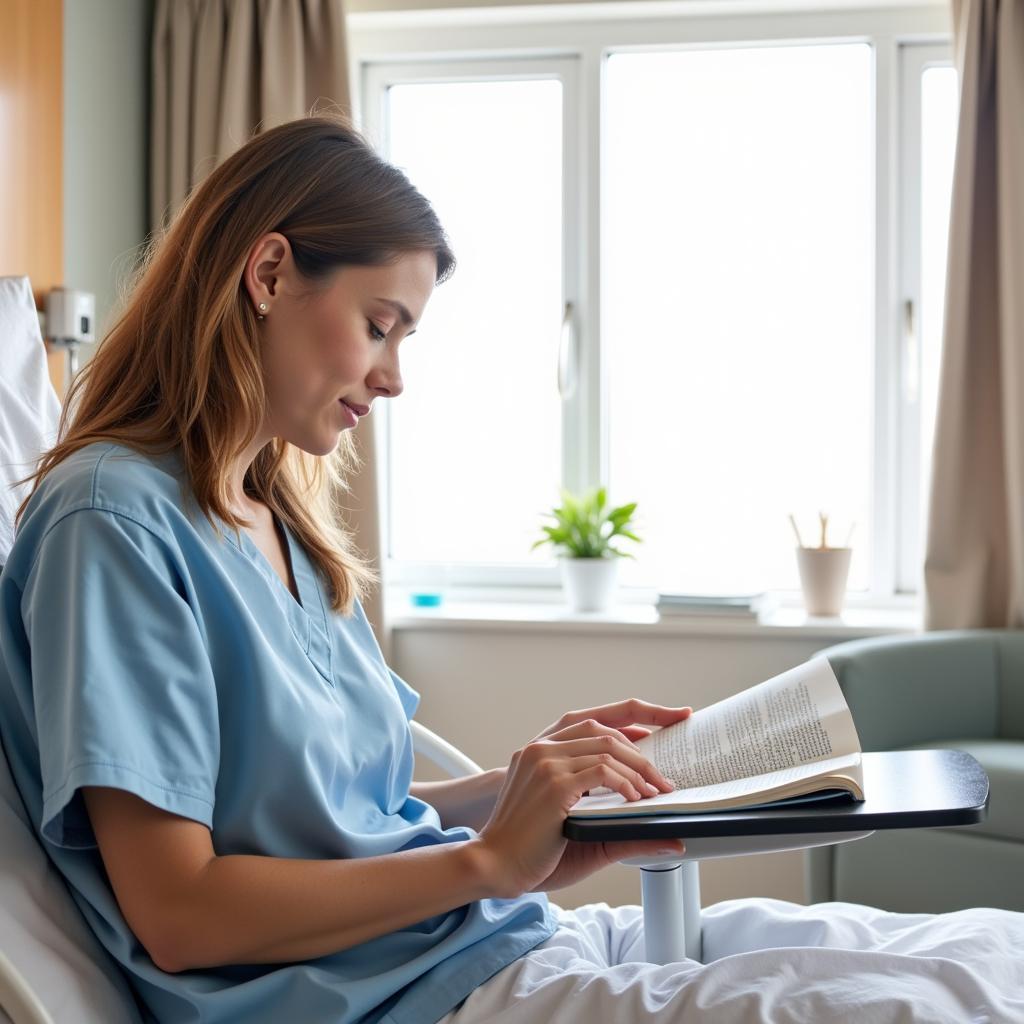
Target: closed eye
(375,332)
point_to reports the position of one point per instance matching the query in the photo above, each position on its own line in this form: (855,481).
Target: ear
(269,263)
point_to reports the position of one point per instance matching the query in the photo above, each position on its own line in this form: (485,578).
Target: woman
(207,736)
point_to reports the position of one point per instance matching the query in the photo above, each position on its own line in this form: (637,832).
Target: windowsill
(781,623)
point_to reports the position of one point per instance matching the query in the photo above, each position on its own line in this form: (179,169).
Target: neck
(240,503)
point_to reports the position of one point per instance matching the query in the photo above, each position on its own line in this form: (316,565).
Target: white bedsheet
(768,961)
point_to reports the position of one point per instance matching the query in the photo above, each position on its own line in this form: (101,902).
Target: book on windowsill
(734,608)
(790,739)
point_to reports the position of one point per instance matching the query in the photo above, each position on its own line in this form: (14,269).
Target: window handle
(912,353)
(567,356)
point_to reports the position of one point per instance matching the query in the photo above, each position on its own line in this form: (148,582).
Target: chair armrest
(922,688)
(448,758)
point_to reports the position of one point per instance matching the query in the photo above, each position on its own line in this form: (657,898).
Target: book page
(796,718)
(718,793)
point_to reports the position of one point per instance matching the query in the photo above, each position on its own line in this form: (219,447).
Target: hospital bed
(52,968)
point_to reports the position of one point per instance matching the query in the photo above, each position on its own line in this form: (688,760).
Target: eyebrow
(401,310)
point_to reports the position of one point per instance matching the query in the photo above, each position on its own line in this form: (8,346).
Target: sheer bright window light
(939,105)
(475,451)
(738,256)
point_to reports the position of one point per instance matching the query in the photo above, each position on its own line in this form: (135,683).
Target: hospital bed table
(903,789)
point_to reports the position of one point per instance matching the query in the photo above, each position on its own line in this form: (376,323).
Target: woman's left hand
(627,718)
(622,717)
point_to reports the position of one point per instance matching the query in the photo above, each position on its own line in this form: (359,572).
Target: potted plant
(582,534)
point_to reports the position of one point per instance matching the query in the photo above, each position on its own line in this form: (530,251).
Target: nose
(386,377)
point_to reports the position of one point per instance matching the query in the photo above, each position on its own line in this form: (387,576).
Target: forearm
(465,801)
(250,909)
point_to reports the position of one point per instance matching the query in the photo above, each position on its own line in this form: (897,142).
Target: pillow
(29,410)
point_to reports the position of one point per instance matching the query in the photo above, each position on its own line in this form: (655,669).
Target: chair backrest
(927,687)
(43,935)
(1011,685)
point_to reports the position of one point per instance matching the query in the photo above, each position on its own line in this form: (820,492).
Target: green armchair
(962,690)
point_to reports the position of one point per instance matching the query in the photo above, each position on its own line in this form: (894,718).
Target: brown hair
(181,368)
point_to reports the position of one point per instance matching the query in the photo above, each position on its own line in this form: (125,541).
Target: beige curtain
(223,70)
(974,564)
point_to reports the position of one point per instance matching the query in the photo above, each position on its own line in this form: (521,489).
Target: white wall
(106,143)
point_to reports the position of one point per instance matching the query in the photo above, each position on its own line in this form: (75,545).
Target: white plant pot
(589,582)
(823,575)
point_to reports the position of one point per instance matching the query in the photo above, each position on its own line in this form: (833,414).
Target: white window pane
(737,287)
(475,450)
(939,106)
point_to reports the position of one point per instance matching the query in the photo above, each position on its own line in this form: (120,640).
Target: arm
(191,908)
(465,801)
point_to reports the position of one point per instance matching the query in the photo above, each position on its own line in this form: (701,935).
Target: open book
(788,739)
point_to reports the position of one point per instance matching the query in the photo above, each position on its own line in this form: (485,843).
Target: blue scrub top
(141,650)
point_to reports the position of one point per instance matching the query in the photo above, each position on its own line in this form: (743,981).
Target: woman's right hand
(523,837)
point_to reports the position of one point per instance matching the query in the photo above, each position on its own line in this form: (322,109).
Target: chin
(321,446)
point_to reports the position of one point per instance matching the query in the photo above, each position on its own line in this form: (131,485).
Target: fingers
(613,778)
(624,849)
(634,732)
(592,727)
(613,748)
(628,712)
(632,785)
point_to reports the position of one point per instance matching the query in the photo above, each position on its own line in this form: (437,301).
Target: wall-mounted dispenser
(70,321)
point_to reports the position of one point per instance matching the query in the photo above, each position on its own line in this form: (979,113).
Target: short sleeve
(406,694)
(122,685)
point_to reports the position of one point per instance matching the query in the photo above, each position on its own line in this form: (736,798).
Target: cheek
(339,350)
(290,360)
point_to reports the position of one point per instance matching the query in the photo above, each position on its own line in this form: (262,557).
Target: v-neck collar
(250,548)
(308,614)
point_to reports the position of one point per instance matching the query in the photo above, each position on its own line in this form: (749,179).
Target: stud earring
(262,309)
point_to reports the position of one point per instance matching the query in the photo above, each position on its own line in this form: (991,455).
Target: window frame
(914,60)
(387,45)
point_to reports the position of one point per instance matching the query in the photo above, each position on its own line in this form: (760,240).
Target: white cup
(823,575)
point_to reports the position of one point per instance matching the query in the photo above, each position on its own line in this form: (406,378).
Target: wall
(31,239)
(106,143)
(74,139)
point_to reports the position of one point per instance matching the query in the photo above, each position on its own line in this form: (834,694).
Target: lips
(359,410)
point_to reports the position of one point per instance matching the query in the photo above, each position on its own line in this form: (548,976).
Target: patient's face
(330,353)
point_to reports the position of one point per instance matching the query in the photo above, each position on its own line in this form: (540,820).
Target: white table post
(673,932)
(670,887)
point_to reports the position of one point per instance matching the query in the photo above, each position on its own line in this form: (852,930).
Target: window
(688,268)
(473,446)
(737,304)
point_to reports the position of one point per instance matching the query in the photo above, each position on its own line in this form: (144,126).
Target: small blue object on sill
(425,600)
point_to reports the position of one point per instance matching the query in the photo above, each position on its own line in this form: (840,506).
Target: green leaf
(623,513)
(583,525)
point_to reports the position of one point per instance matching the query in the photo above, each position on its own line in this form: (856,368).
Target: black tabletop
(902,789)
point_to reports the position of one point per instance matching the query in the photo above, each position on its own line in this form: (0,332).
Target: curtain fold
(223,70)
(974,562)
